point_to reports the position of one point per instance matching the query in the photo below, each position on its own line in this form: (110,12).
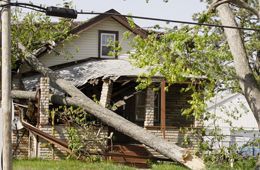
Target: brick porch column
(44,148)
(44,101)
(106,93)
(149,108)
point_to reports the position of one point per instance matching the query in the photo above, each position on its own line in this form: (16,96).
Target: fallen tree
(110,118)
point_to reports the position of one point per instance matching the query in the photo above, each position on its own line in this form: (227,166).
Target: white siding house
(90,39)
(232,113)
(87,43)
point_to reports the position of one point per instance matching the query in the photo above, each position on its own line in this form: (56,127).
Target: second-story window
(106,41)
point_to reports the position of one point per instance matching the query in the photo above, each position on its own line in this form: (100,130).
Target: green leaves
(178,54)
(34,30)
(75,141)
(201,56)
(131,22)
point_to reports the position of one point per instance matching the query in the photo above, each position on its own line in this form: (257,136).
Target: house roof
(120,19)
(83,26)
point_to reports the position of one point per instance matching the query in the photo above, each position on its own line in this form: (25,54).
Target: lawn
(65,165)
(78,165)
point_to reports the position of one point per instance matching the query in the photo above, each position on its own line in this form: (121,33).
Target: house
(112,80)
(233,117)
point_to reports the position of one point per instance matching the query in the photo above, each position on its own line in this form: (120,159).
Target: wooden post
(163,108)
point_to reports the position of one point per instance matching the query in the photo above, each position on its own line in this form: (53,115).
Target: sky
(174,9)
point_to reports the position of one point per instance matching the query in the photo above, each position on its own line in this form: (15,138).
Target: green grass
(248,164)
(66,165)
(168,166)
(35,164)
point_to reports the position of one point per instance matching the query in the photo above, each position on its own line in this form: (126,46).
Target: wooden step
(132,155)
(129,160)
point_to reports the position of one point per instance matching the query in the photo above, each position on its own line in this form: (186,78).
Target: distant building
(233,117)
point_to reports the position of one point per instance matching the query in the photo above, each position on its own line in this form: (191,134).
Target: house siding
(85,45)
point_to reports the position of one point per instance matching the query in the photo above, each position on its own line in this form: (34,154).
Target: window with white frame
(106,42)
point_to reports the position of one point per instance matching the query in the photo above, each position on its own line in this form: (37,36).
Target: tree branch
(239,3)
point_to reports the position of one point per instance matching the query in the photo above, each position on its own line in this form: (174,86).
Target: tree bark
(112,119)
(247,81)
(239,3)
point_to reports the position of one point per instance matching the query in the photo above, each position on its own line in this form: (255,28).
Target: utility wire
(168,20)
(31,8)
(24,5)
(43,9)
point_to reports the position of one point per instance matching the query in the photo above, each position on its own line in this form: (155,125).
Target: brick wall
(49,151)
(175,136)
(20,143)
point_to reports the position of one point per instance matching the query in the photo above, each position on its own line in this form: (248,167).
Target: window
(140,99)
(157,106)
(106,39)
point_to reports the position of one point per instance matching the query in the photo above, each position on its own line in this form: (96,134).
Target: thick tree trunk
(247,81)
(112,119)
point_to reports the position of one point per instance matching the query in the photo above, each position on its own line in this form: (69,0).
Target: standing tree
(228,57)
(244,46)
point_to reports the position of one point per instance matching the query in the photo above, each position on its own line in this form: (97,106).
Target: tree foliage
(187,54)
(202,56)
(194,52)
(34,30)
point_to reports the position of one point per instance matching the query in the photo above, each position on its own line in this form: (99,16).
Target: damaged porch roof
(94,69)
(84,72)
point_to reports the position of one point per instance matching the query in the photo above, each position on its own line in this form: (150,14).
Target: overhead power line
(168,20)
(71,13)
